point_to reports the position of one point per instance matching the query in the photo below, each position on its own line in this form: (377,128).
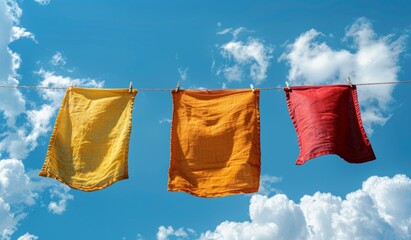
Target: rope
(166,89)
(37,87)
(153,89)
(380,83)
(271,88)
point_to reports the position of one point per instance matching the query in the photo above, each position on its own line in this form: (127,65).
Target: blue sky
(212,45)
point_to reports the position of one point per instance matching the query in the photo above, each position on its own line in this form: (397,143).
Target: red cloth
(328,121)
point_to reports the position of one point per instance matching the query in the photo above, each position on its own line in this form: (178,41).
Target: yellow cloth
(215,142)
(88,148)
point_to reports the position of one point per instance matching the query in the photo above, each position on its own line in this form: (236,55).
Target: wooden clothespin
(130,87)
(252,88)
(288,86)
(178,86)
(349,81)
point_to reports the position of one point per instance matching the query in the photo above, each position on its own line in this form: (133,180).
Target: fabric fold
(327,120)
(215,142)
(88,148)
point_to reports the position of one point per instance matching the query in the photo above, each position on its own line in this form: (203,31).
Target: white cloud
(63,195)
(59,193)
(14,183)
(43,2)
(8,223)
(40,123)
(381,209)
(234,32)
(12,103)
(233,73)
(19,190)
(245,59)
(166,232)
(15,194)
(20,32)
(225,31)
(58,59)
(370,58)
(165,120)
(393,200)
(271,218)
(13,10)
(266,185)
(28,236)
(183,73)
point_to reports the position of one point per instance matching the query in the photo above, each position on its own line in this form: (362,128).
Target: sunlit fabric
(328,121)
(215,142)
(88,148)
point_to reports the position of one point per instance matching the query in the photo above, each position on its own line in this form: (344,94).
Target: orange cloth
(215,142)
(88,148)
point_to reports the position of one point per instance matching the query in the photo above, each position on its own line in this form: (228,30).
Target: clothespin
(130,87)
(288,86)
(252,88)
(72,84)
(349,81)
(178,86)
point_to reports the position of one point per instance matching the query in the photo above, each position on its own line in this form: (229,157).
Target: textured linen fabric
(88,148)
(328,121)
(215,142)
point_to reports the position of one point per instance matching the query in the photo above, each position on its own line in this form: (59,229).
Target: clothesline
(169,89)
(215,147)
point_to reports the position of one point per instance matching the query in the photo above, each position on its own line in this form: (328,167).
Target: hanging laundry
(215,142)
(328,121)
(88,148)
